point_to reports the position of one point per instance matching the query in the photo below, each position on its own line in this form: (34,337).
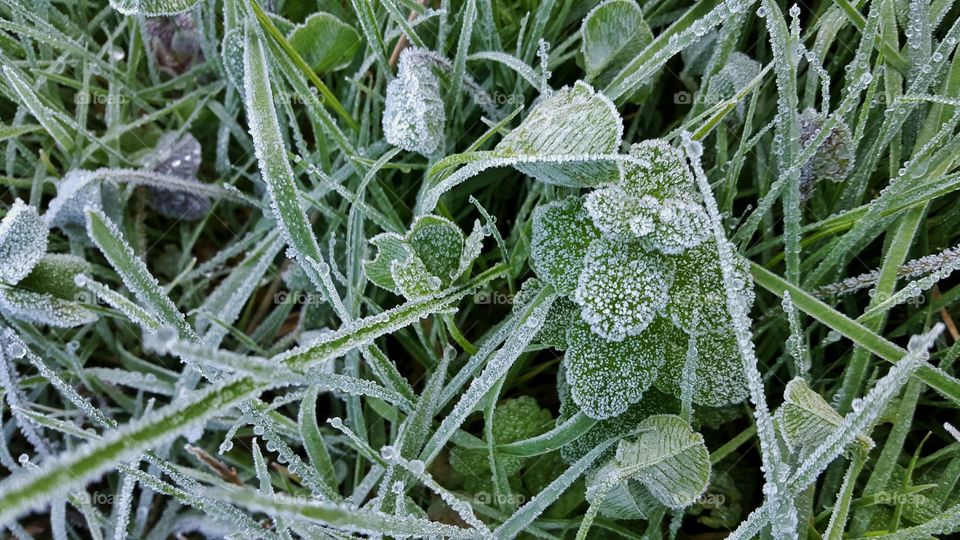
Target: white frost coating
(738,309)
(622,289)
(805,419)
(23,240)
(414,116)
(952,430)
(457,504)
(794,343)
(10,383)
(719,379)
(152,8)
(606,377)
(864,412)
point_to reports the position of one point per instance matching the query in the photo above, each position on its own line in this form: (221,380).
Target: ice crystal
(414,116)
(806,419)
(23,241)
(718,378)
(77,190)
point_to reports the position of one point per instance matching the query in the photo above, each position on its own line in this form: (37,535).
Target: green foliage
(476,269)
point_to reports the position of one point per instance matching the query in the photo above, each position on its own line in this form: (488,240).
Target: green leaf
(719,379)
(438,242)
(23,241)
(44,308)
(611,35)
(313,441)
(606,377)
(806,419)
(390,247)
(697,301)
(55,273)
(668,458)
(562,232)
(574,121)
(324,42)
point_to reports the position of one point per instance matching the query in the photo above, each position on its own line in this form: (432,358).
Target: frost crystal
(23,240)
(718,378)
(180,157)
(621,288)
(414,116)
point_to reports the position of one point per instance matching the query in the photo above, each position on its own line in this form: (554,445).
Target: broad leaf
(324,42)
(806,419)
(611,35)
(23,241)
(562,232)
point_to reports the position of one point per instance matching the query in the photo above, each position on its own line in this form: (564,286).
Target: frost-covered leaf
(658,169)
(733,77)
(554,332)
(325,42)
(390,247)
(438,242)
(669,458)
(177,156)
(606,377)
(77,190)
(718,378)
(698,302)
(670,226)
(611,35)
(622,288)
(231,55)
(513,420)
(562,232)
(623,500)
(55,273)
(414,117)
(806,419)
(175,42)
(43,308)
(152,8)
(412,277)
(23,240)
(833,160)
(575,121)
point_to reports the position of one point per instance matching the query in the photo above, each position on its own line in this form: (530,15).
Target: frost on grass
(698,302)
(606,377)
(562,233)
(733,77)
(431,255)
(575,121)
(621,288)
(178,156)
(414,116)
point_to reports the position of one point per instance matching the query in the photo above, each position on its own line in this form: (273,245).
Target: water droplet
(417,467)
